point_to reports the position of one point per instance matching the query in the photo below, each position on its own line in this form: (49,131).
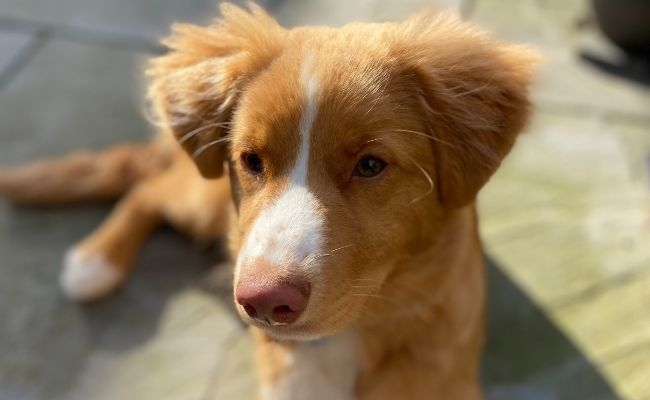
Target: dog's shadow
(527,357)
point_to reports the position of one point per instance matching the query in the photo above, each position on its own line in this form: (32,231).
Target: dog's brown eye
(253,163)
(369,166)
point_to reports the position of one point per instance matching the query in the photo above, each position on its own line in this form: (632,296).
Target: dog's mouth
(290,332)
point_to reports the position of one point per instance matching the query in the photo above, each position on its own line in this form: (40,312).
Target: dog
(353,157)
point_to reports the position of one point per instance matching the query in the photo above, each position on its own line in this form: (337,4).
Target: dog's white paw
(88,276)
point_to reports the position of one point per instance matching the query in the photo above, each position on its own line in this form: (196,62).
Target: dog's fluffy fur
(392,261)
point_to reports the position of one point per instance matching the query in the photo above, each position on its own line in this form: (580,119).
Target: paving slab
(332,13)
(610,327)
(545,24)
(574,192)
(11,46)
(527,356)
(151,19)
(190,356)
(143,18)
(567,218)
(72,96)
(633,365)
(568,82)
(158,338)
(574,53)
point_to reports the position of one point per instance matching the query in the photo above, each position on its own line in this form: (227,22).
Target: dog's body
(355,158)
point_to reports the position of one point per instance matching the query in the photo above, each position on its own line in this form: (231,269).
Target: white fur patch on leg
(88,277)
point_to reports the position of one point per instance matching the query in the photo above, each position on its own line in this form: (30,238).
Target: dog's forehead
(339,86)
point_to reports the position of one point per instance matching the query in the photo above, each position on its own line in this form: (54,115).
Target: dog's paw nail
(88,276)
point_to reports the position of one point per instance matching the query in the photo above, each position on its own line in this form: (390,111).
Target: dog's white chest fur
(322,370)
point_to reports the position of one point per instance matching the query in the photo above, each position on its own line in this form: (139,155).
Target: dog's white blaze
(286,234)
(310,86)
(289,233)
(324,370)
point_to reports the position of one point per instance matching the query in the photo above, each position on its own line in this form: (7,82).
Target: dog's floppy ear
(195,87)
(474,95)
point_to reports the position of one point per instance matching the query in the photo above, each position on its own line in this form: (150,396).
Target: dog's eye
(369,166)
(253,163)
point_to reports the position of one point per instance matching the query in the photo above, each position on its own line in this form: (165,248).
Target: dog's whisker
(367,279)
(201,129)
(329,253)
(206,146)
(341,248)
(395,289)
(373,295)
(428,178)
(422,134)
(363,287)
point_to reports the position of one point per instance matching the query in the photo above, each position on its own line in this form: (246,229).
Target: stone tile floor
(566,221)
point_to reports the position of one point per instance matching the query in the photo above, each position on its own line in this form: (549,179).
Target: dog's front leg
(325,369)
(100,262)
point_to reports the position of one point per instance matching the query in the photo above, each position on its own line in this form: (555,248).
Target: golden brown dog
(354,158)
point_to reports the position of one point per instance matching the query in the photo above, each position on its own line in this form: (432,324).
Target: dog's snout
(276,303)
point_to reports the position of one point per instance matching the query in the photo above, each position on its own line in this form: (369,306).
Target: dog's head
(350,147)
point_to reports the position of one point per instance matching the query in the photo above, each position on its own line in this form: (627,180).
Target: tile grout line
(597,289)
(624,351)
(222,358)
(81,35)
(23,58)
(582,110)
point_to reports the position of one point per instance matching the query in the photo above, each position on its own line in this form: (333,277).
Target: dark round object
(625,22)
